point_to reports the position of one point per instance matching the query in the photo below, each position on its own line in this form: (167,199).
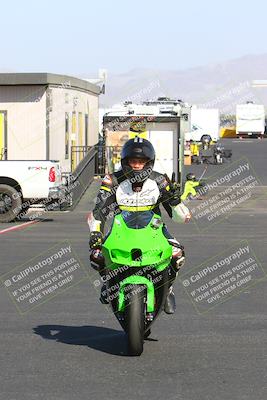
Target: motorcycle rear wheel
(135,319)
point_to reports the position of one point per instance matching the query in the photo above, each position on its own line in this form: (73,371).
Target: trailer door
(2,135)
(163,145)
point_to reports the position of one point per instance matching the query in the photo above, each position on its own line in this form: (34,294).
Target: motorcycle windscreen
(137,219)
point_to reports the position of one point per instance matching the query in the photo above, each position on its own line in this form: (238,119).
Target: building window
(80,140)
(86,129)
(80,129)
(74,124)
(73,141)
(67,135)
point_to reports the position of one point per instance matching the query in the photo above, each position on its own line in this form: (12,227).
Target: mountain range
(220,85)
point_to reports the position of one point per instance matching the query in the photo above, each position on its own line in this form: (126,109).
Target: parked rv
(250,120)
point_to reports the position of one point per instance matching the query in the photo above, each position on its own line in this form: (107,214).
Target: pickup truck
(23,183)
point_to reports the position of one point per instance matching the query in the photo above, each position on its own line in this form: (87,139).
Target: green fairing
(137,280)
(155,248)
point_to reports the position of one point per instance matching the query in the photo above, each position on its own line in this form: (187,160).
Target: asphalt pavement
(71,346)
(253,150)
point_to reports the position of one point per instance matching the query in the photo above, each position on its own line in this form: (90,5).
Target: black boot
(148,333)
(103,294)
(170,304)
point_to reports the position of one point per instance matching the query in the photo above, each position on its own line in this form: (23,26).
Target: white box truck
(250,120)
(203,122)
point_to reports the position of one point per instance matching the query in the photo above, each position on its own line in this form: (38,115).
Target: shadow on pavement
(107,340)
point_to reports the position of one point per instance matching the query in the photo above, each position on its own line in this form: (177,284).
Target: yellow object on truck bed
(228,132)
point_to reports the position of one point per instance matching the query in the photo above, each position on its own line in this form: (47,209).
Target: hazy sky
(79,37)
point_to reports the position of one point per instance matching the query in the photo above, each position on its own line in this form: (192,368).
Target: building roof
(21,79)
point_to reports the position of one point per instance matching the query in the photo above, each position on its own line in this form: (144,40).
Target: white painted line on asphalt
(16,227)
(242,141)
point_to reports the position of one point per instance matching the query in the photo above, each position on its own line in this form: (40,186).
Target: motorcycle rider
(190,193)
(206,150)
(136,188)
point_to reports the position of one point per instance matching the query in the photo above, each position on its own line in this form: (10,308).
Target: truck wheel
(10,203)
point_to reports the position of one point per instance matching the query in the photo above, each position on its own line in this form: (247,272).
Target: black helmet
(137,148)
(206,139)
(190,177)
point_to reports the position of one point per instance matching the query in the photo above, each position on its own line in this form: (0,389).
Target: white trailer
(250,120)
(158,121)
(203,122)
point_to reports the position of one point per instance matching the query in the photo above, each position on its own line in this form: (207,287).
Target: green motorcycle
(137,274)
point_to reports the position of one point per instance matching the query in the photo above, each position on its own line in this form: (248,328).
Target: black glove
(96,240)
(175,197)
(202,182)
(174,191)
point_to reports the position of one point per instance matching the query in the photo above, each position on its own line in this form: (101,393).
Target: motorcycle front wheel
(135,320)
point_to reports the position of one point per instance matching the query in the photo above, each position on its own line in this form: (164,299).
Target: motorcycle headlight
(156,223)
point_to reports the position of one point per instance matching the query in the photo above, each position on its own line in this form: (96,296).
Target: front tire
(10,203)
(135,319)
